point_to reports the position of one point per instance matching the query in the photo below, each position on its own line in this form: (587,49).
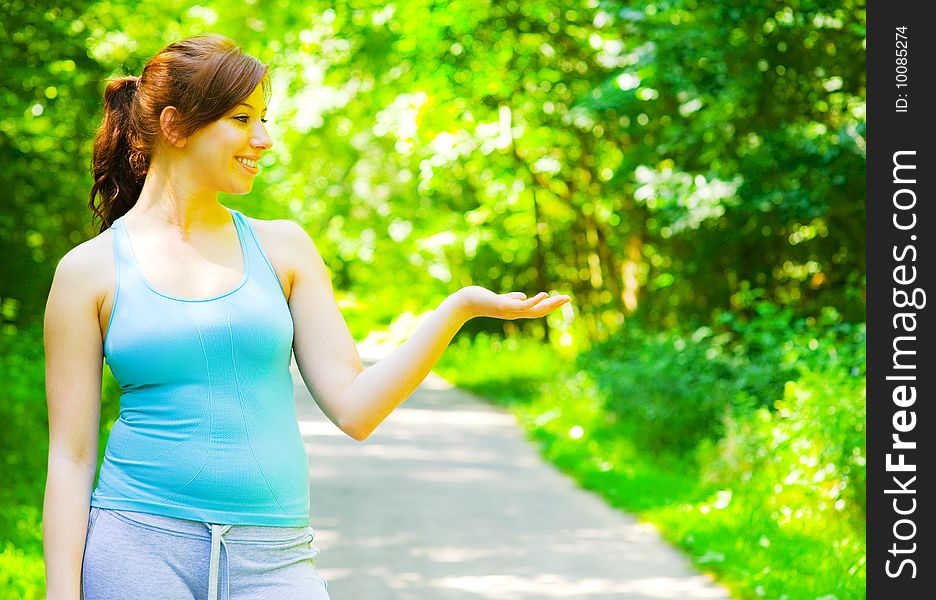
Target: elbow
(357,431)
(359,437)
(81,458)
(354,424)
(357,434)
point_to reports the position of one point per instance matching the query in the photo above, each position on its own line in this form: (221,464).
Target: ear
(167,124)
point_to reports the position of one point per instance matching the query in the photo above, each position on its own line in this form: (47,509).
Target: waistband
(218,534)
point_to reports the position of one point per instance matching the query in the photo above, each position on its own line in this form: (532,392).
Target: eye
(245,119)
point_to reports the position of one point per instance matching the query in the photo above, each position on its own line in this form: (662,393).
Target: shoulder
(88,255)
(287,237)
(290,249)
(86,271)
(281,227)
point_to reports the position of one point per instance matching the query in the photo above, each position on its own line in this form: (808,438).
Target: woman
(204,488)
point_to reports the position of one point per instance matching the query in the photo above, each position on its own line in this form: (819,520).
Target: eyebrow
(249,106)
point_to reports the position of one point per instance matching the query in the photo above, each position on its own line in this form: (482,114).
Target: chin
(239,190)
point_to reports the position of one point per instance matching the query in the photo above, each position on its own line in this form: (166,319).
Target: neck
(170,198)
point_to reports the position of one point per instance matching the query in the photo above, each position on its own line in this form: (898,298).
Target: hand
(481,302)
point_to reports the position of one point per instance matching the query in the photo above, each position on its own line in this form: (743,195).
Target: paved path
(447,501)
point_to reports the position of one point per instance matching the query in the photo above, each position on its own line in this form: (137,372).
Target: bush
(806,456)
(671,388)
(23,447)
(24,433)
(676,389)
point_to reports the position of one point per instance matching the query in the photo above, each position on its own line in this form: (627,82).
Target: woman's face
(217,152)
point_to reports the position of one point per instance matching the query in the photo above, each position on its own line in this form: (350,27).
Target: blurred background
(692,174)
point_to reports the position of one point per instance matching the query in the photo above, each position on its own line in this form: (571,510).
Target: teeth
(249,163)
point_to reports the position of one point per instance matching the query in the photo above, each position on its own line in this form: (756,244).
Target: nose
(261,140)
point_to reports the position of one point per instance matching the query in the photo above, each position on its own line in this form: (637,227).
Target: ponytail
(118,168)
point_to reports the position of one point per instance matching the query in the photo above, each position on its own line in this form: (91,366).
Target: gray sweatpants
(133,555)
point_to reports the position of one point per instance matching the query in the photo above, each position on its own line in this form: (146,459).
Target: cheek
(218,147)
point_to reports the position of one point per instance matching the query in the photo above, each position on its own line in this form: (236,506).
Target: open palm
(482,302)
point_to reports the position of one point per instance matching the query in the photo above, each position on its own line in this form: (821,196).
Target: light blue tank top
(207,428)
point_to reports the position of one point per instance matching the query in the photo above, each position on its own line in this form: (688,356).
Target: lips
(248,165)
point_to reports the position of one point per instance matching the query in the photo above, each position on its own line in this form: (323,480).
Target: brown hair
(203,76)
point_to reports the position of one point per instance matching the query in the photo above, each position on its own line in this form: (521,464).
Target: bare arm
(382,387)
(379,389)
(357,400)
(73,365)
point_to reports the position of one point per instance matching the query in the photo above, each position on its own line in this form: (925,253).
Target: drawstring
(216,541)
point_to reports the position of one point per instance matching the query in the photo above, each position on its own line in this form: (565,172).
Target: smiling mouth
(248,165)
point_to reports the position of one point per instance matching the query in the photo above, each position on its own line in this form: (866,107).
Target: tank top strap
(261,267)
(244,233)
(123,254)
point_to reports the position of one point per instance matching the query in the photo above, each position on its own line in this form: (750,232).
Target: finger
(519,295)
(553,303)
(556,301)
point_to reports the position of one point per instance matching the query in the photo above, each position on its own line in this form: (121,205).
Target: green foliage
(23,450)
(676,389)
(25,431)
(643,377)
(789,480)
(714,373)
(741,128)
(530,366)
(813,442)
(50,97)
(522,145)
